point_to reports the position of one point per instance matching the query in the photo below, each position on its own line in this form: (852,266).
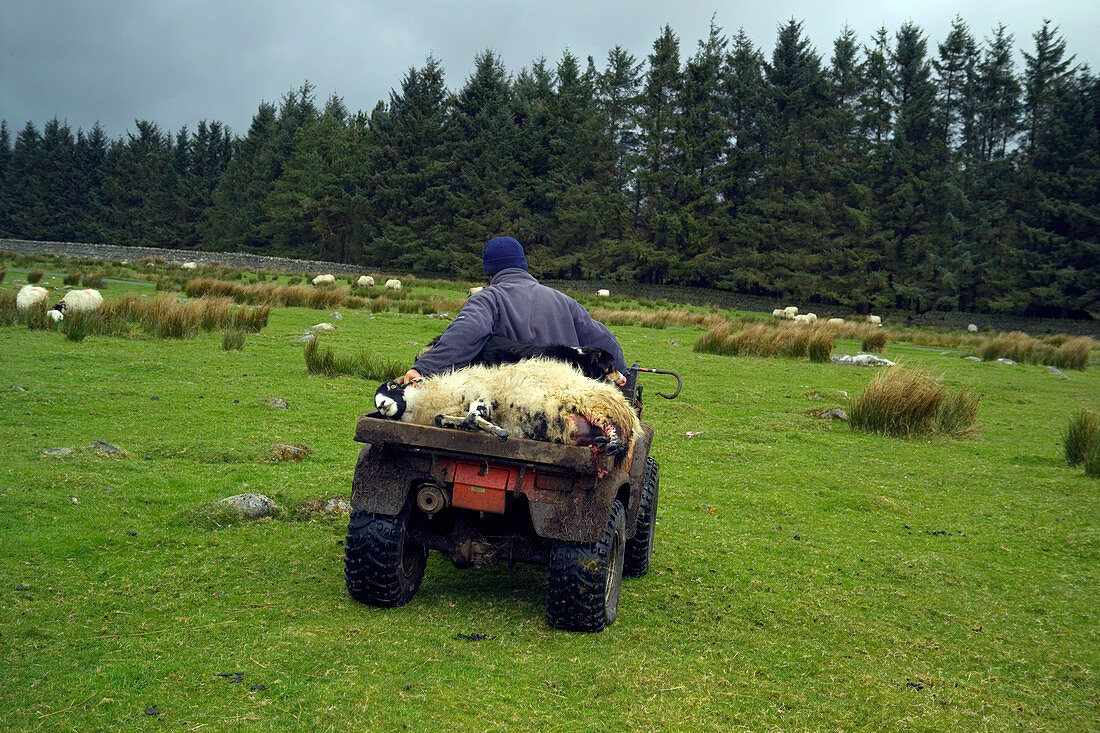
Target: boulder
(861,360)
(252,506)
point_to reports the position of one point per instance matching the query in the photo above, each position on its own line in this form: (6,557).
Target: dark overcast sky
(180,61)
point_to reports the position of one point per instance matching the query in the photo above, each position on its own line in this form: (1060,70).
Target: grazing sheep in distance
(972,328)
(876,320)
(801,318)
(835,322)
(477,289)
(393,284)
(811,318)
(324,280)
(190,265)
(603,293)
(31,296)
(779,314)
(791,312)
(364,281)
(77,301)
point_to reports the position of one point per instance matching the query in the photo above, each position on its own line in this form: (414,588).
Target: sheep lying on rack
(591,361)
(539,399)
(76,301)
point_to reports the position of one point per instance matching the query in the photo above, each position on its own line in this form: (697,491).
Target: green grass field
(805,577)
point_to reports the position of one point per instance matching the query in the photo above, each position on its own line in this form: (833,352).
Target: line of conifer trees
(889,176)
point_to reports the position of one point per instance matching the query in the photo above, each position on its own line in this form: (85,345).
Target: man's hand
(410,376)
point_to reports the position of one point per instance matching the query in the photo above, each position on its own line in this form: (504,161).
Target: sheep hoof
(614,447)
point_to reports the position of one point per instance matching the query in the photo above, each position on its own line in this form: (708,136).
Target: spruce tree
(484,171)
(6,191)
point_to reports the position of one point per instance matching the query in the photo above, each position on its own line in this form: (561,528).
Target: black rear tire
(639,548)
(582,593)
(381,566)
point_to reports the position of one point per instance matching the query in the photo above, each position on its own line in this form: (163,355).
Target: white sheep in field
(76,301)
(190,265)
(835,322)
(791,312)
(972,328)
(364,281)
(393,284)
(603,293)
(539,399)
(324,280)
(802,318)
(476,290)
(811,318)
(31,296)
(875,320)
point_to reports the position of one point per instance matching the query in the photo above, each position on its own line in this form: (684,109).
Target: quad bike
(480,500)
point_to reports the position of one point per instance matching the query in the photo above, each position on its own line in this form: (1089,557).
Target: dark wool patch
(540,428)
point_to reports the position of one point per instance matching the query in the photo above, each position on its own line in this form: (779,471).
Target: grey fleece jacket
(516,306)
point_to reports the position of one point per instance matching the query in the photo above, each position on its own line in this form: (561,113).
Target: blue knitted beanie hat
(501,253)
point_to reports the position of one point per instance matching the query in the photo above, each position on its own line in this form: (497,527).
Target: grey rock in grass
(861,360)
(1006,362)
(252,506)
(972,358)
(56,452)
(105,447)
(284,452)
(1056,372)
(835,414)
(335,315)
(278,403)
(337,506)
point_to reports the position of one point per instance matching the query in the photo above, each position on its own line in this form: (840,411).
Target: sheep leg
(491,428)
(474,419)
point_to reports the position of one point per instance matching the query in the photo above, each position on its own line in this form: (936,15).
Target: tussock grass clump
(902,402)
(363,364)
(821,345)
(94,280)
(78,325)
(873,339)
(35,317)
(1081,437)
(793,340)
(9,314)
(320,298)
(3,274)
(34,276)
(658,318)
(233,340)
(1066,352)
(1073,353)
(165,316)
(73,278)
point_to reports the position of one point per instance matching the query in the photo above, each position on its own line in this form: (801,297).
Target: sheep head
(389,399)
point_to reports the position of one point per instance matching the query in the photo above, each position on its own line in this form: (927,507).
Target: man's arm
(591,332)
(462,340)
